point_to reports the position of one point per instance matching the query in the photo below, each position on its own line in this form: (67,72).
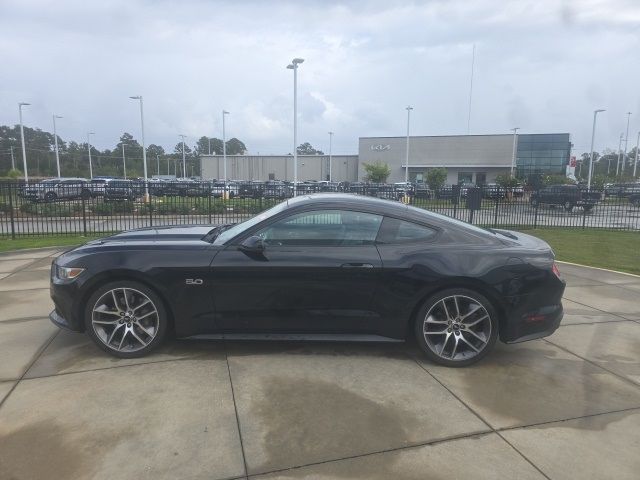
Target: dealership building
(474,159)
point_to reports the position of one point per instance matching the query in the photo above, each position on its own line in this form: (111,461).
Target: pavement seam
(593,323)
(377,452)
(235,409)
(626,380)
(481,418)
(23,289)
(598,309)
(24,268)
(589,415)
(36,357)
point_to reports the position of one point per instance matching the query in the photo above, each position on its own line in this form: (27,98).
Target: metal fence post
(84,215)
(209,207)
(149,206)
(535,216)
(11,212)
(495,213)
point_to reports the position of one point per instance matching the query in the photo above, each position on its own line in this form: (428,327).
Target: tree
(307,149)
(436,178)
(234,147)
(507,180)
(153,150)
(177,150)
(376,172)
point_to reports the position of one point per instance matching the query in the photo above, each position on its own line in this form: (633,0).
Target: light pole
(635,165)
(406,157)
(158,163)
(619,154)
(89,148)
(24,150)
(209,138)
(294,66)
(124,163)
(330,145)
(626,141)
(144,150)
(55,139)
(513,151)
(184,161)
(224,145)
(593,136)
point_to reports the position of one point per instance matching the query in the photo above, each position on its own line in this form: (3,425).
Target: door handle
(356,265)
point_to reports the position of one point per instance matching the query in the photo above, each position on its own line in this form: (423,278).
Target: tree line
(74,156)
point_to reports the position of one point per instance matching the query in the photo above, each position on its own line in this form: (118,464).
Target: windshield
(237,229)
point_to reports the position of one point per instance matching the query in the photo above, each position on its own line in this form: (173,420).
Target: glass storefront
(542,153)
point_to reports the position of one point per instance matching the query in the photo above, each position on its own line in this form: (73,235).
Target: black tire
(587,208)
(162,320)
(534,202)
(568,206)
(85,195)
(420,327)
(50,197)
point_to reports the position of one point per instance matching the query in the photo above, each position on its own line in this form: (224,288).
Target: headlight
(68,273)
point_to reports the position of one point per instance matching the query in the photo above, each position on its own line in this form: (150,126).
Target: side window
(324,228)
(401,231)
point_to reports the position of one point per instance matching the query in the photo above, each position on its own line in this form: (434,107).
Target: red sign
(572,162)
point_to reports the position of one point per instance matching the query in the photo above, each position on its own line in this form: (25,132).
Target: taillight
(554,269)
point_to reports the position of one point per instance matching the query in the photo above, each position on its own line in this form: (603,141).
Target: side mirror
(253,244)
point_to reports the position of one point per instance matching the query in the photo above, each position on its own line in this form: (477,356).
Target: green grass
(38,242)
(614,250)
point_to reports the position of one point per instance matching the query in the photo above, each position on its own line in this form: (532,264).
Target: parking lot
(564,407)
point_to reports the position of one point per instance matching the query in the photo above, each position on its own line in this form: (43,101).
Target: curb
(598,268)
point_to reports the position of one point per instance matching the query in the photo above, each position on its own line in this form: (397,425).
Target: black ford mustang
(327,266)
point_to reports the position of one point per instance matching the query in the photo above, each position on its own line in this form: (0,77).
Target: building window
(465,177)
(272,176)
(481,178)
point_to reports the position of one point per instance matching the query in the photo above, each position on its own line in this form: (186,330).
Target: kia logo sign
(380,147)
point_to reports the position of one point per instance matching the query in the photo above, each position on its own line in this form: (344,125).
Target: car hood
(183,232)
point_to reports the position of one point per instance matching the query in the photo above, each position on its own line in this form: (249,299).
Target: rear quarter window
(394,230)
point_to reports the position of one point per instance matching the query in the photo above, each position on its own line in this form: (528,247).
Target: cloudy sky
(541,65)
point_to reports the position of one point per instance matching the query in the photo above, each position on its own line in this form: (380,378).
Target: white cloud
(542,64)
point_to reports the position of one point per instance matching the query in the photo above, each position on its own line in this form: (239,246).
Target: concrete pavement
(564,407)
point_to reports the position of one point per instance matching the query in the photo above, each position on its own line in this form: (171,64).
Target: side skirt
(308,337)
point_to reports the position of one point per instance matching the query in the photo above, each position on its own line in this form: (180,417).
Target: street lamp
(626,141)
(184,162)
(593,134)
(224,145)
(24,150)
(330,145)
(619,154)
(635,165)
(513,152)
(406,158)
(55,139)
(89,148)
(144,150)
(124,162)
(294,66)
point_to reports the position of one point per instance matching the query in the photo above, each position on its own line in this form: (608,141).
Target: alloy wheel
(125,319)
(457,328)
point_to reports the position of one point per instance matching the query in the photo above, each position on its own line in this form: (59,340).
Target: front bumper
(65,296)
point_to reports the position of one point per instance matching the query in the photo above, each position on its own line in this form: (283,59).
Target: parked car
(54,189)
(97,185)
(567,196)
(326,266)
(422,190)
(493,191)
(119,189)
(634,200)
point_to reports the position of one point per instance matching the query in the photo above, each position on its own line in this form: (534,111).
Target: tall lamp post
(593,136)
(184,161)
(635,165)
(24,150)
(224,145)
(330,145)
(406,157)
(626,141)
(294,66)
(144,150)
(55,139)
(513,151)
(89,148)
(619,154)
(124,162)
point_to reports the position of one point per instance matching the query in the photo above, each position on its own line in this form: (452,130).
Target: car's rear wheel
(568,206)
(50,197)
(126,319)
(456,327)
(534,202)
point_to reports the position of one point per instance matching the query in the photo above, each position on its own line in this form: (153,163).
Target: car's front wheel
(126,319)
(456,327)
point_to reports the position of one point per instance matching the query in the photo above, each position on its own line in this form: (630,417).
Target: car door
(318,273)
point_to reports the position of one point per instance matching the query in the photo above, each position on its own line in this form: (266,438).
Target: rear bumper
(534,315)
